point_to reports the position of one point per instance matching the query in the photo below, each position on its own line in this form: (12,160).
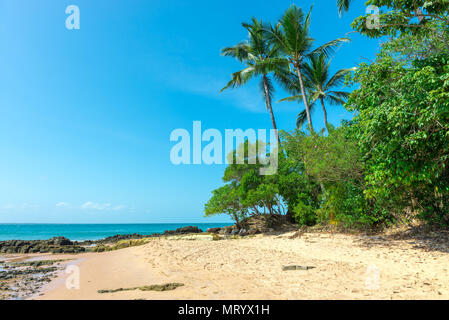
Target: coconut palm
(261,59)
(292,36)
(320,85)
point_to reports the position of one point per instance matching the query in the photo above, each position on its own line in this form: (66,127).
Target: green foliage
(319,83)
(402,126)
(333,166)
(304,214)
(390,160)
(412,17)
(246,191)
(291,35)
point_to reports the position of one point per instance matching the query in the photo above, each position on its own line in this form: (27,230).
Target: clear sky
(86,115)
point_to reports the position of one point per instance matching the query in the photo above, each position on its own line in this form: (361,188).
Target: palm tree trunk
(324,111)
(270,109)
(306,103)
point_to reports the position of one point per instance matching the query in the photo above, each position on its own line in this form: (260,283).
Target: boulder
(213,230)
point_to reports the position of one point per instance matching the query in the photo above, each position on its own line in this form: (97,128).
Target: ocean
(80,232)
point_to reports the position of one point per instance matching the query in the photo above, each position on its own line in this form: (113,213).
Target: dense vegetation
(389,164)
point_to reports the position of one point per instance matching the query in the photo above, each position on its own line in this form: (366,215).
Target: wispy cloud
(101,206)
(63,205)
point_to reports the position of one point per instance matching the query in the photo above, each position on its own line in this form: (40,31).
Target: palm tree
(261,59)
(292,36)
(320,85)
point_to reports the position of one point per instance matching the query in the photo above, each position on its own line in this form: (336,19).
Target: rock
(226,230)
(213,230)
(286,268)
(243,232)
(183,230)
(189,229)
(57,244)
(119,237)
(60,241)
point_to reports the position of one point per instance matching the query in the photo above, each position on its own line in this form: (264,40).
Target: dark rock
(267,223)
(213,230)
(58,244)
(183,230)
(119,237)
(189,229)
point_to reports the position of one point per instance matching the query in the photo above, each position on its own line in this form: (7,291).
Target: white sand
(252,269)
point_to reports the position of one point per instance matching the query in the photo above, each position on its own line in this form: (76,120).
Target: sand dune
(346,267)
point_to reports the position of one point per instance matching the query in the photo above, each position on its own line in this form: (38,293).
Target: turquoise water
(81,232)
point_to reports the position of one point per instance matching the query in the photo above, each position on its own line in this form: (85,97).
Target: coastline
(81,232)
(251,268)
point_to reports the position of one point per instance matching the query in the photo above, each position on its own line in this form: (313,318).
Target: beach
(341,267)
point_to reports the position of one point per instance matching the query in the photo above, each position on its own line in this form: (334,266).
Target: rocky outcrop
(260,224)
(53,245)
(183,230)
(119,237)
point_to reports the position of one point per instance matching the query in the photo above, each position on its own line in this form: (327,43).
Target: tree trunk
(306,103)
(270,109)
(237,220)
(324,111)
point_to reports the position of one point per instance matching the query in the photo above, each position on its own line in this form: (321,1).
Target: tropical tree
(261,58)
(320,85)
(292,36)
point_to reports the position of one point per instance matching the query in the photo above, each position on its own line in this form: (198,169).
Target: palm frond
(338,78)
(337,99)
(240,78)
(240,51)
(328,49)
(343,5)
(297,98)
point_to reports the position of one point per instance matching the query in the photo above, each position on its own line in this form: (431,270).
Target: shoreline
(252,268)
(297,264)
(90,232)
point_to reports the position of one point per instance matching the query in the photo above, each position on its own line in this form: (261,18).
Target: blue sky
(86,115)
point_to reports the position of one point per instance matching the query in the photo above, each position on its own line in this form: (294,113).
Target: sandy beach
(345,267)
